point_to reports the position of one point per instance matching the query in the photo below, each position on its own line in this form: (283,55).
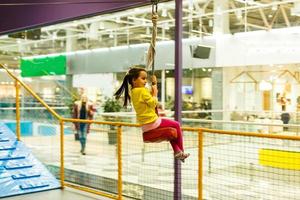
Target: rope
(151,50)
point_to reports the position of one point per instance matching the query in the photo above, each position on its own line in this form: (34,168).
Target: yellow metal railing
(119,125)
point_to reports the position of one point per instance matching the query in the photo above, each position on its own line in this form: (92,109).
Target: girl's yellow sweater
(144,105)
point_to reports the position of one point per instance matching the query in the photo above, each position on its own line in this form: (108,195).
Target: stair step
(25,176)
(30,186)
(4,140)
(17,167)
(12,158)
(6,148)
(18,164)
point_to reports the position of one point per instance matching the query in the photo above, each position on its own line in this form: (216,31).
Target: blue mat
(20,171)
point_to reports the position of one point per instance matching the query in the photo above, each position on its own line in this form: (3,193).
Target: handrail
(101,122)
(31,92)
(34,108)
(132,115)
(242,133)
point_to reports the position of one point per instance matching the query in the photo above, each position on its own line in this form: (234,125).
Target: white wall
(105,82)
(279,46)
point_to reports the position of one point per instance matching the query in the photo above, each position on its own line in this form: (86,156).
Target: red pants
(177,144)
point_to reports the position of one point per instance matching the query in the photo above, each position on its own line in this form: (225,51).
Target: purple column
(178,83)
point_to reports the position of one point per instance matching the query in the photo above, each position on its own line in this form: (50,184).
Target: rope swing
(151,50)
(165,133)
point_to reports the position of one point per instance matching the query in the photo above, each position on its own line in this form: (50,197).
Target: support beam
(264,18)
(274,18)
(178,94)
(285,17)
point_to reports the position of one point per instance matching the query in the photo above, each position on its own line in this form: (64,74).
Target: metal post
(200,164)
(18,133)
(62,165)
(163,88)
(120,163)
(178,83)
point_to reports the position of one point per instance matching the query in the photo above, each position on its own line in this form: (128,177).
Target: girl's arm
(150,99)
(154,89)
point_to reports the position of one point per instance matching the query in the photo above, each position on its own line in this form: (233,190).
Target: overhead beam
(285,17)
(264,18)
(274,18)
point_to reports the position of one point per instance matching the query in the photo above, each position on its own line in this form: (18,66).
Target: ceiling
(133,26)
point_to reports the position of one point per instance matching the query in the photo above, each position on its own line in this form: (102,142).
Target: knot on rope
(154,19)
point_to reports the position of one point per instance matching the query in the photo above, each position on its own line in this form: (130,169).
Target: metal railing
(119,125)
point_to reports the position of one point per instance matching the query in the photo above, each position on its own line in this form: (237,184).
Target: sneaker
(184,156)
(181,156)
(82,152)
(178,155)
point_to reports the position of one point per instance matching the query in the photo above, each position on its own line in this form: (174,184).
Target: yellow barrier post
(200,164)
(62,166)
(18,110)
(120,182)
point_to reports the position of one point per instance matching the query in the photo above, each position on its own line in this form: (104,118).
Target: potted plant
(112,105)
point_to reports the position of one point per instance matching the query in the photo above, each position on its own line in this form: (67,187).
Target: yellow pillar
(119,133)
(200,164)
(62,165)
(18,110)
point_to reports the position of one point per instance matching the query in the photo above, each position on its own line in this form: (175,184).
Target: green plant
(111,105)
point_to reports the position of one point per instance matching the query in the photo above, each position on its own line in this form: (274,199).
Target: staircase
(20,171)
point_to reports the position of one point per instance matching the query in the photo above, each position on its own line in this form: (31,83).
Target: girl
(144,104)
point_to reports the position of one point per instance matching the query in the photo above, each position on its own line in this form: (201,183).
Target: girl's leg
(177,144)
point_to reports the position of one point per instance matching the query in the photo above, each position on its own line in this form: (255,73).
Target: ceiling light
(101,26)
(54,36)
(239,14)
(191,6)
(265,86)
(166,26)
(164,12)
(274,7)
(210,23)
(148,31)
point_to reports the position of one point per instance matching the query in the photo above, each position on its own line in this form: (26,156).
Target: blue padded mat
(20,171)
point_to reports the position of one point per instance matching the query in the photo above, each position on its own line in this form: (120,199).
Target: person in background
(285,117)
(83,109)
